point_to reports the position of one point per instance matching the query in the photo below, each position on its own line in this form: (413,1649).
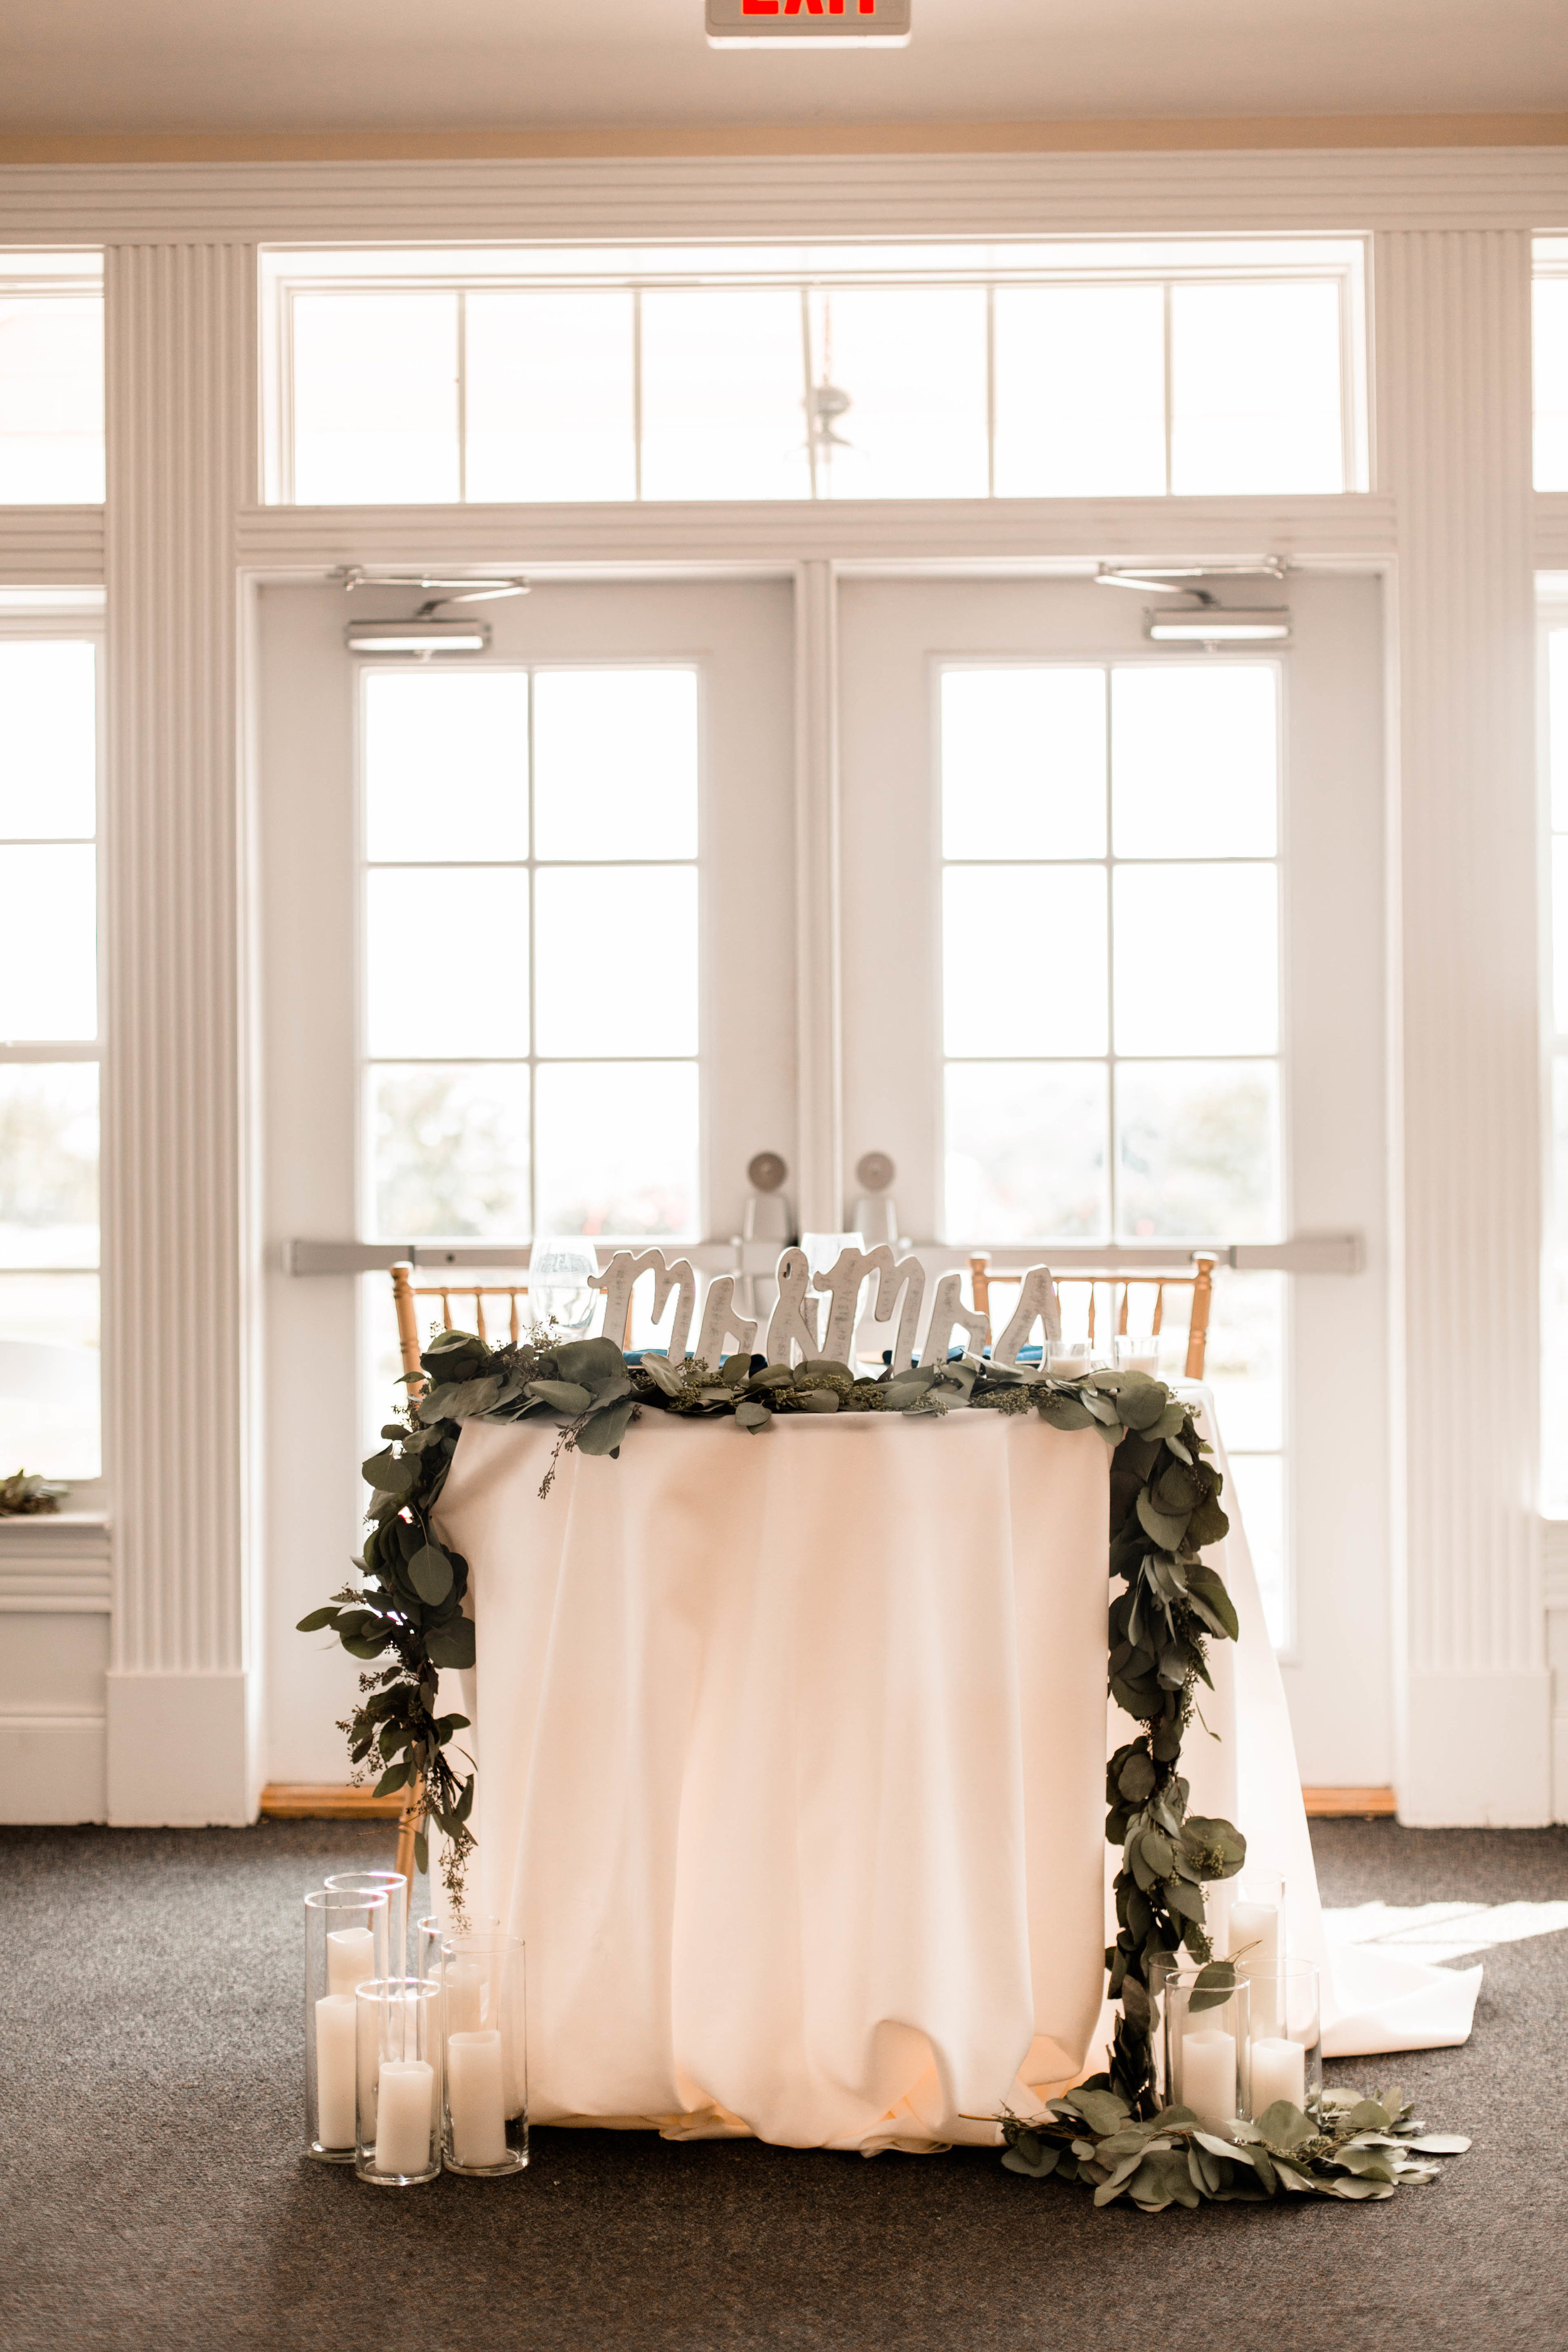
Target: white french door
(527,930)
(1112,981)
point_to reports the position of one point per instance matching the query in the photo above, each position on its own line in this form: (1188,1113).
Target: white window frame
(376,666)
(1017,262)
(74,615)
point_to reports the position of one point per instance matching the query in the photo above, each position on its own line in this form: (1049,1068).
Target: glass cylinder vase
(1286,2045)
(398,2025)
(394,1886)
(1255,1936)
(485,2073)
(346,1941)
(1204,2043)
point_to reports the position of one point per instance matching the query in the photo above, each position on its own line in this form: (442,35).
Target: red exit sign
(808,24)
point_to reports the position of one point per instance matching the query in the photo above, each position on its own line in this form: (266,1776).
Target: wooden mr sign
(808,24)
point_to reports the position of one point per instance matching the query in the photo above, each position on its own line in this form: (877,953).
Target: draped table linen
(791,1757)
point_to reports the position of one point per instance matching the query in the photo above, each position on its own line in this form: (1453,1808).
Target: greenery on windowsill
(25,1497)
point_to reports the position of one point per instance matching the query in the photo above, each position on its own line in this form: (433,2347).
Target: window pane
(49,740)
(1551,384)
(48,945)
(1023,762)
(48,1164)
(1025,1152)
(1217,927)
(617,1148)
(1056,911)
(549,408)
(49,1375)
(1554,1422)
(51,400)
(445,764)
(1197,1150)
(450,1151)
(614,763)
(376,398)
(1260,1490)
(1255,389)
(1080,391)
(913,366)
(1245,1363)
(616,960)
(446,961)
(1557,723)
(1560,933)
(723,413)
(1193,756)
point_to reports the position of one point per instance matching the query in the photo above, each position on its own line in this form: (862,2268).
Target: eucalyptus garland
(407,1604)
(1356,2149)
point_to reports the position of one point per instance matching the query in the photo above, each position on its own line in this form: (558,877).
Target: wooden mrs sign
(792,1331)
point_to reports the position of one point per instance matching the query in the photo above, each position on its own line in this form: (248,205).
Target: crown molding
(1163,135)
(947,195)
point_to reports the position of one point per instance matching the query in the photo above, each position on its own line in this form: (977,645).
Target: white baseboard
(1478,1751)
(180,1751)
(52,1768)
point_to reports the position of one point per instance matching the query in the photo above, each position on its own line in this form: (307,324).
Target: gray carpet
(154,2193)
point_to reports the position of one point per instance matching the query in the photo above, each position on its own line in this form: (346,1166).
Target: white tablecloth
(791,1756)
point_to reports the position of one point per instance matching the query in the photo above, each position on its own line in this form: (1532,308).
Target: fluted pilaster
(1453,344)
(176,1149)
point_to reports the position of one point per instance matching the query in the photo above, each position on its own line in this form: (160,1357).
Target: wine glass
(559,1268)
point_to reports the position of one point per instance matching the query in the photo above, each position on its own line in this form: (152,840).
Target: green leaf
(1142,1401)
(376,1646)
(396,1776)
(1166,1532)
(1439,2144)
(818,1400)
(316,1620)
(452,1646)
(1205,1586)
(1283,2126)
(751,1414)
(421,1850)
(603,1431)
(1213,1986)
(566,1396)
(1136,1780)
(430,1574)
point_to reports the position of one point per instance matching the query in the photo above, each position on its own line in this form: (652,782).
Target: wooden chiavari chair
(1198,1278)
(405,1293)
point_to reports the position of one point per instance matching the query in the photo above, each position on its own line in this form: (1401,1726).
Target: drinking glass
(485,2028)
(345,1943)
(558,1277)
(1069,1359)
(398,2039)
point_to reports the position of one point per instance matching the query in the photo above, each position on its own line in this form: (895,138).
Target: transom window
(523,828)
(52,379)
(1215,367)
(49,1051)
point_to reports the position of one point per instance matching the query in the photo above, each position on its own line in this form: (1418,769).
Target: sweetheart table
(792,1754)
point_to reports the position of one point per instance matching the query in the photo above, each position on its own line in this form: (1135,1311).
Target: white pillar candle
(1279,2072)
(1141,1360)
(465,1997)
(1255,1938)
(1075,1365)
(403,2115)
(335,2070)
(351,1958)
(1208,2074)
(475,2099)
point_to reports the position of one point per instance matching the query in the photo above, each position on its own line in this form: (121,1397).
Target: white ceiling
(365,64)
